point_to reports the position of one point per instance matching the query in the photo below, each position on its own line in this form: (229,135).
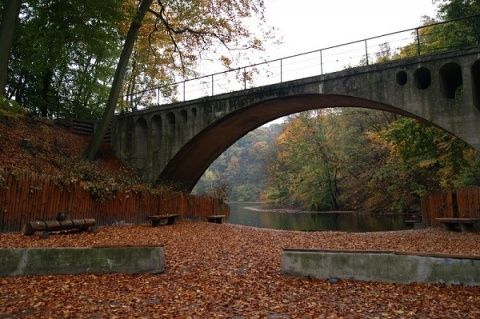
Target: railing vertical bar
(418,41)
(184,90)
(321,62)
(366,51)
(281,70)
(245,78)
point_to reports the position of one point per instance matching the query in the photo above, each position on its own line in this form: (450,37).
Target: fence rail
(25,196)
(421,40)
(463,203)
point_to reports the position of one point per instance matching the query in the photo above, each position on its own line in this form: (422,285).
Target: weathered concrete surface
(381,266)
(90,260)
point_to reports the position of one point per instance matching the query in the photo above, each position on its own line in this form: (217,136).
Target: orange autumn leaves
(228,271)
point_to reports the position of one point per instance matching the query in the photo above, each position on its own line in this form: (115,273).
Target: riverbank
(228,271)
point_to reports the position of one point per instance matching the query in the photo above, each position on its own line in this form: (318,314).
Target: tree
(63,55)
(109,112)
(10,14)
(191,27)
(305,173)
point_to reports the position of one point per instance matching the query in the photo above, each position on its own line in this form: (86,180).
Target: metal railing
(436,37)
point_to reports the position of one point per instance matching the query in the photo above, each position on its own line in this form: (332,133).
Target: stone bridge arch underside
(176,143)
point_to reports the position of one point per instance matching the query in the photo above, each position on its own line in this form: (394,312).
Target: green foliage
(435,158)
(63,56)
(10,110)
(365,160)
(305,170)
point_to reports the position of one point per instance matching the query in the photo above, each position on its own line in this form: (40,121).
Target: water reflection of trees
(306,221)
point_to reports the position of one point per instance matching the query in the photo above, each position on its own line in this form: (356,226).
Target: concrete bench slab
(382,266)
(81,260)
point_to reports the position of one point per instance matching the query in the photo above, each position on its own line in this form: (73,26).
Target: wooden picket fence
(463,203)
(25,197)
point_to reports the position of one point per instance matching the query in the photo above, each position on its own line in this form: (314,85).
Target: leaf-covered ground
(228,271)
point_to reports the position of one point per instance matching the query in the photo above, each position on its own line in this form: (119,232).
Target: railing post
(184,91)
(281,70)
(244,78)
(158,96)
(366,52)
(321,62)
(212,84)
(418,41)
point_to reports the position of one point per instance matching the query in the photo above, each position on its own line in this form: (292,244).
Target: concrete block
(383,266)
(89,260)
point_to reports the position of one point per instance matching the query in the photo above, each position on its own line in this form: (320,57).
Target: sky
(308,25)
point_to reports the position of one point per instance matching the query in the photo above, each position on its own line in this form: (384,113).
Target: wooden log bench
(30,228)
(158,220)
(462,224)
(217,219)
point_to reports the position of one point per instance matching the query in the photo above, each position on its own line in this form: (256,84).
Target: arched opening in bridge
(476,83)
(140,142)
(183,114)
(171,123)
(156,130)
(422,78)
(451,83)
(401,78)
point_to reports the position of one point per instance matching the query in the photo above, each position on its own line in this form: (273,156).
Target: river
(257,215)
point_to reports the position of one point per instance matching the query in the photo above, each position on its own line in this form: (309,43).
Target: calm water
(254,214)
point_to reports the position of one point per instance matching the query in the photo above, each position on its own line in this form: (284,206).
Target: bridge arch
(189,164)
(441,89)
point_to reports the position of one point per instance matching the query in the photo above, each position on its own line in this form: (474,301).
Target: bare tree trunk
(10,14)
(109,112)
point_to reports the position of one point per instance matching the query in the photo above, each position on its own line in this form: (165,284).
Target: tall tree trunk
(11,10)
(47,82)
(109,112)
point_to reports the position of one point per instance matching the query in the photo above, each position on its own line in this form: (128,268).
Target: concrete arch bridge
(177,142)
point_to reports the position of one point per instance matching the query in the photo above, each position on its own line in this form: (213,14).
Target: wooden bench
(217,219)
(30,228)
(412,222)
(454,224)
(158,220)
